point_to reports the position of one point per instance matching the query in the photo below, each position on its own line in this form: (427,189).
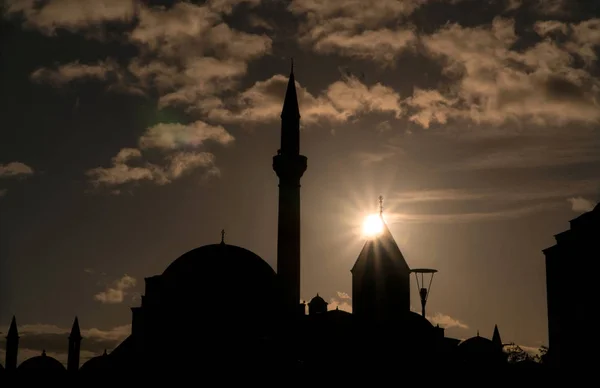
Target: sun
(372,225)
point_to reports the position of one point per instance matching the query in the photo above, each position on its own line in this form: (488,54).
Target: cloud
(581,205)
(494,82)
(537,191)
(117,291)
(175,135)
(446,321)
(343,295)
(371,29)
(70,15)
(70,72)
(343,304)
(552,7)
(341,101)
(498,215)
(179,141)
(187,53)
(14,169)
(54,339)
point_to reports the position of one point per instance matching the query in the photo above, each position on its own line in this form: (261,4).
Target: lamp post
(422,274)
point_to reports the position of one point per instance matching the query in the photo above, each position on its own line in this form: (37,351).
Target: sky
(134,131)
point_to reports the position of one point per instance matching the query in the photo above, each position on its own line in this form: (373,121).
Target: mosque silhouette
(185,323)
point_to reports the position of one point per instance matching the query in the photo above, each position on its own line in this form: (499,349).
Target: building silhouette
(187,324)
(570,298)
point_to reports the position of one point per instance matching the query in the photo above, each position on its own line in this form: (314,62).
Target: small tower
(496,340)
(380,278)
(74,347)
(317,305)
(12,346)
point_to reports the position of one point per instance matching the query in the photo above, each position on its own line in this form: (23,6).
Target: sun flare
(372,225)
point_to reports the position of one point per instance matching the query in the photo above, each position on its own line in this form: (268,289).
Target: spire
(75,332)
(44,353)
(222,236)
(12,331)
(105,354)
(381,206)
(477,332)
(496,337)
(290,103)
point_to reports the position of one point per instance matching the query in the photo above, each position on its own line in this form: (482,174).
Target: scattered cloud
(13,169)
(71,15)
(581,205)
(535,192)
(493,82)
(70,72)
(176,136)
(116,292)
(178,140)
(54,339)
(446,321)
(369,29)
(343,304)
(341,101)
(343,295)
(498,215)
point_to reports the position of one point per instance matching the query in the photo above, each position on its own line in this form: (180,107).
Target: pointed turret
(290,119)
(380,277)
(12,346)
(496,337)
(74,347)
(290,103)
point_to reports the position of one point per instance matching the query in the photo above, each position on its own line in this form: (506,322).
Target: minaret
(289,166)
(12,346)
(74,347)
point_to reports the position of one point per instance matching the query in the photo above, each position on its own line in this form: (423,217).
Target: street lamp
(422,274)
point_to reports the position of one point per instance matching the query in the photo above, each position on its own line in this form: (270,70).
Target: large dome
(221,258)
(221,279)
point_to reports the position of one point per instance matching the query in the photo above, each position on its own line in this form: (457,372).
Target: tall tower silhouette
(74,347)
(289,166)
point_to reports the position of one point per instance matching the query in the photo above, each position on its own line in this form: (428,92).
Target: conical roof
(381,250)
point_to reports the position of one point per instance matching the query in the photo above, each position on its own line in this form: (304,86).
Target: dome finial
(44,352)
(222,236)
(477,333)
(381,205)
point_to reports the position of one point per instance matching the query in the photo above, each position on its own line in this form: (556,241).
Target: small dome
(97,364)
(317,300)
(480,350)
(42,363)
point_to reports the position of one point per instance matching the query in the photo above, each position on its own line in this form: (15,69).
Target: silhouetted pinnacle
(12,331)
(290,103)
(496,337)
(75,332)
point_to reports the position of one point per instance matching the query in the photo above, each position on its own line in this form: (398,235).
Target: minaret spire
(74,347)
(289,166)
(12,346)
